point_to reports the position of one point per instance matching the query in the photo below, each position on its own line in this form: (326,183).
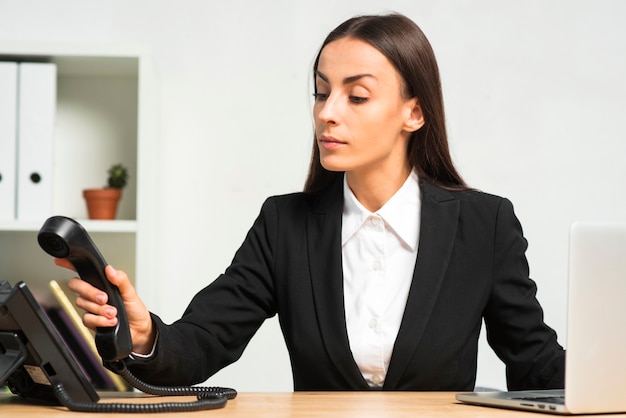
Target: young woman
(384,268)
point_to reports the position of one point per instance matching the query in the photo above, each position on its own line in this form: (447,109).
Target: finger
(120,279)
(106,311)
(96,321)
(87,291)
(65,263)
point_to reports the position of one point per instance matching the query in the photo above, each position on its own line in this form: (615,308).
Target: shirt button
(375,221)
(376,265)
(376,379)
(373,323)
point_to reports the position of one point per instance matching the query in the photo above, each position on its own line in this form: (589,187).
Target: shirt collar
(401,213)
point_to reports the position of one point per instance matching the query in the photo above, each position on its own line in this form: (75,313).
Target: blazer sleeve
(513,317)
(221,319)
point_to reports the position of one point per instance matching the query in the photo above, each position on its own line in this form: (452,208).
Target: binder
(35,135)
(8,139)
(90,363)
(59,292)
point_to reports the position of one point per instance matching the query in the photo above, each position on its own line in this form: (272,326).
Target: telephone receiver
(63,237)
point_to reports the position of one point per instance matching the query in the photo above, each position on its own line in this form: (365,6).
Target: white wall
(535,93)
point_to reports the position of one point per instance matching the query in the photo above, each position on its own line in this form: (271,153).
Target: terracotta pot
(102,203)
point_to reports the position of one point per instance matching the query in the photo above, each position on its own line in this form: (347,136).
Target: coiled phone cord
(207,397)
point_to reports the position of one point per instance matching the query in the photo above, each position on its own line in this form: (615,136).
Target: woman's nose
(328,111)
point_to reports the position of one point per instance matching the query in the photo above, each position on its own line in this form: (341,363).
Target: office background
(535,95)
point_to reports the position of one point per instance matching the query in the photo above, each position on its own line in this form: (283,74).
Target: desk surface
(298,404)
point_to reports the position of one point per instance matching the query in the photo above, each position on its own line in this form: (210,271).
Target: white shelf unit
(105,102)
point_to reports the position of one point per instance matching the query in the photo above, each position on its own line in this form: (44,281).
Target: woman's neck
(373,190)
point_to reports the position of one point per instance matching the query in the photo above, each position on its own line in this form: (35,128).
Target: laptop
(595,361)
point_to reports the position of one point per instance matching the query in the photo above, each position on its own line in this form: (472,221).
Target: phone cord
(207,397)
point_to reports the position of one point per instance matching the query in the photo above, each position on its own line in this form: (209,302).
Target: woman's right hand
(98,313)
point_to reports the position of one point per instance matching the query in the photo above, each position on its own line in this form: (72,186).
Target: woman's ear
(415,117)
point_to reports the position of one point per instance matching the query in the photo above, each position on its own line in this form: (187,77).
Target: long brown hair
(407,48)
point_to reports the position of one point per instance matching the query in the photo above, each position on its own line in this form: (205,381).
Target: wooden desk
(299,404)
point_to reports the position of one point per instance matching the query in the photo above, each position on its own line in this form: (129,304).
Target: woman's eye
(358,99)
(320,96)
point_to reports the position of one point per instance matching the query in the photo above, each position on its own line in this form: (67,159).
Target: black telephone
(63,237)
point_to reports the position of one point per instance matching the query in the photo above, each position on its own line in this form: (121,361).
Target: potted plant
(102,202)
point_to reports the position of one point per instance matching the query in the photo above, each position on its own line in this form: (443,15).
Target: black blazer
(471,265)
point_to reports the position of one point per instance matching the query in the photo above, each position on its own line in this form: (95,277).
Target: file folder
(8,139)
(35,143)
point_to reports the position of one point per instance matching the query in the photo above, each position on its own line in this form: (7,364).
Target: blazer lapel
(439,218)
(324,246)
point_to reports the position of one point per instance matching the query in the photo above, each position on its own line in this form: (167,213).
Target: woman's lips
(330,143)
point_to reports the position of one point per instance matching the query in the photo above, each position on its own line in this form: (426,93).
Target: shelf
(97,120)
(117,226)
(104,116)
(77,60)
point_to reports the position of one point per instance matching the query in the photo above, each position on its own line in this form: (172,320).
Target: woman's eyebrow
(356,77)
(347,80)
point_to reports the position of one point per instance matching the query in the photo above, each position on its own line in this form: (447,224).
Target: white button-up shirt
(379,253)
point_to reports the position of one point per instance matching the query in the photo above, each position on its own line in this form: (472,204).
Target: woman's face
(362,121)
